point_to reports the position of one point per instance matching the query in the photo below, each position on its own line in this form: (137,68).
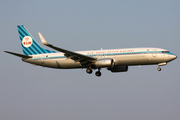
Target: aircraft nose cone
(174,57)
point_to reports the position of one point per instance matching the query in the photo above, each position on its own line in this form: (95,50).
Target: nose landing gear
(161,64)
(159,69)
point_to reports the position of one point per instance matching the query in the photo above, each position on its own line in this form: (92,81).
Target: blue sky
(32,92)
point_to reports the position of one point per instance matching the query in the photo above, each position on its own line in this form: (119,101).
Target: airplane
(115,60)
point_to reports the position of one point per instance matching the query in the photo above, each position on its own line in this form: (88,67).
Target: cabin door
(154,54)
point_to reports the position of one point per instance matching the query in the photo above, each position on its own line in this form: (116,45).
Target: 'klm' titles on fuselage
(103,52)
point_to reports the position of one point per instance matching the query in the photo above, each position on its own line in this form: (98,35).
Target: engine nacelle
(119,69)
(106,62)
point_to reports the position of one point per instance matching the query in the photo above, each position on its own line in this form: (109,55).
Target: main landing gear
(98,73)
(89,71)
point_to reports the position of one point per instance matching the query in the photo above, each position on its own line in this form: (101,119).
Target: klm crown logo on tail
(29,44)
(27,41)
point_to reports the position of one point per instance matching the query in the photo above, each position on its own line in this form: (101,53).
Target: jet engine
(106,62)
(119,69)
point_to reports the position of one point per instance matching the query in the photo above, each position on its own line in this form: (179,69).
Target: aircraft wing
(19,55)
(83,59)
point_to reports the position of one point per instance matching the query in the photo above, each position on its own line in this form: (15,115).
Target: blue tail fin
(29,44)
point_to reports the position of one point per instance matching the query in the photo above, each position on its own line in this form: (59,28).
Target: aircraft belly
(54,63)
(137,60)
(61,64)
(132,61)
(35,62)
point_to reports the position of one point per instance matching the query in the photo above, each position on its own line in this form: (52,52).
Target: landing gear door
(154,54)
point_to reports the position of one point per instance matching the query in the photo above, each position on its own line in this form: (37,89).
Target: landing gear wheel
(89,70)
(98,73)
(159,69)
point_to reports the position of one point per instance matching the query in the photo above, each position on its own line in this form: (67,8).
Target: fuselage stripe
(114,54)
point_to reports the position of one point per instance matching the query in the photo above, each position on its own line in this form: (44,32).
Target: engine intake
(106,62)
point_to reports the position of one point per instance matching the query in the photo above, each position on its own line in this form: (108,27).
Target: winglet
(42,39)
(67,53)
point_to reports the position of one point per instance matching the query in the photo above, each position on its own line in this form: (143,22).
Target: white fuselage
(121,57)
(115,60)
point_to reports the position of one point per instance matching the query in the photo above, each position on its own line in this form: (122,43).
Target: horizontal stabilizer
(19,55)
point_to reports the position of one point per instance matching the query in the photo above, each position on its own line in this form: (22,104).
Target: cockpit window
(165,52)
